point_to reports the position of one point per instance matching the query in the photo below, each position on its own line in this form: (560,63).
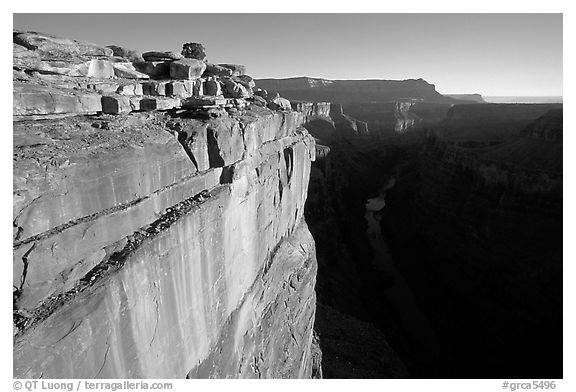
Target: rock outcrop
(158,232)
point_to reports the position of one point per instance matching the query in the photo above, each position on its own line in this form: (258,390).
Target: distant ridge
(344,91)
(467,97)
(525,99)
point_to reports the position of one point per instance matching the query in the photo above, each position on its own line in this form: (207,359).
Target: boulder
(180,89)
(193,50)
(231,89)
(51,46)
(279,103)
(261,93)
(216,70)
(127,71)
(130,89)
(198,87)
(161,56)
(237,69)
(154,69)
(154,88)
(259,101)
(116,104)
(101,69)
(246,81)
(126,53)
(212,87)
(187,69)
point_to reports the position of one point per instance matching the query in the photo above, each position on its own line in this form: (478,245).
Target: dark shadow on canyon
(472,237)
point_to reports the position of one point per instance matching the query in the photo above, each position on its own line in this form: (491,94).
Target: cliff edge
(158,219)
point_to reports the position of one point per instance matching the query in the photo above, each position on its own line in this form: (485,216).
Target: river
(414,323)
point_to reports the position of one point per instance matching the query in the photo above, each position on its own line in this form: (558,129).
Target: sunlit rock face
(157,232)
(133,263)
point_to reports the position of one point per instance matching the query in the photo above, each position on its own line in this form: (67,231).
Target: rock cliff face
(164,242)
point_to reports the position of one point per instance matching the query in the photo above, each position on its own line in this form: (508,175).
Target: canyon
(469,200)
(174,218)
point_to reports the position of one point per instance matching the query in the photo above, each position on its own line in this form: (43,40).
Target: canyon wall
(489,123)
(474,227)
(487,219)
(358,329)
(157,241)
(388,107)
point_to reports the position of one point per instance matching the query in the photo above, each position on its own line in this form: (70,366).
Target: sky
(489,54)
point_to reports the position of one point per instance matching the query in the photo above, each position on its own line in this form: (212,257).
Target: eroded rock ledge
(160,243)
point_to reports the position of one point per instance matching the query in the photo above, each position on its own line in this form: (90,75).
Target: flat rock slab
(86,165)
(212,87)
(180,89)
(51,46)
(34,100)
(161,56)
(116,104)
(217,70)
(127,71)
(195,102)
(159,103)
(154,69)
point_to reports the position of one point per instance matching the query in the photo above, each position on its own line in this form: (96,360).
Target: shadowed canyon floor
(472,240)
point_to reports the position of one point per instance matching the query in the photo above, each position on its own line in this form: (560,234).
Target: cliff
(388,107)
(158,220)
